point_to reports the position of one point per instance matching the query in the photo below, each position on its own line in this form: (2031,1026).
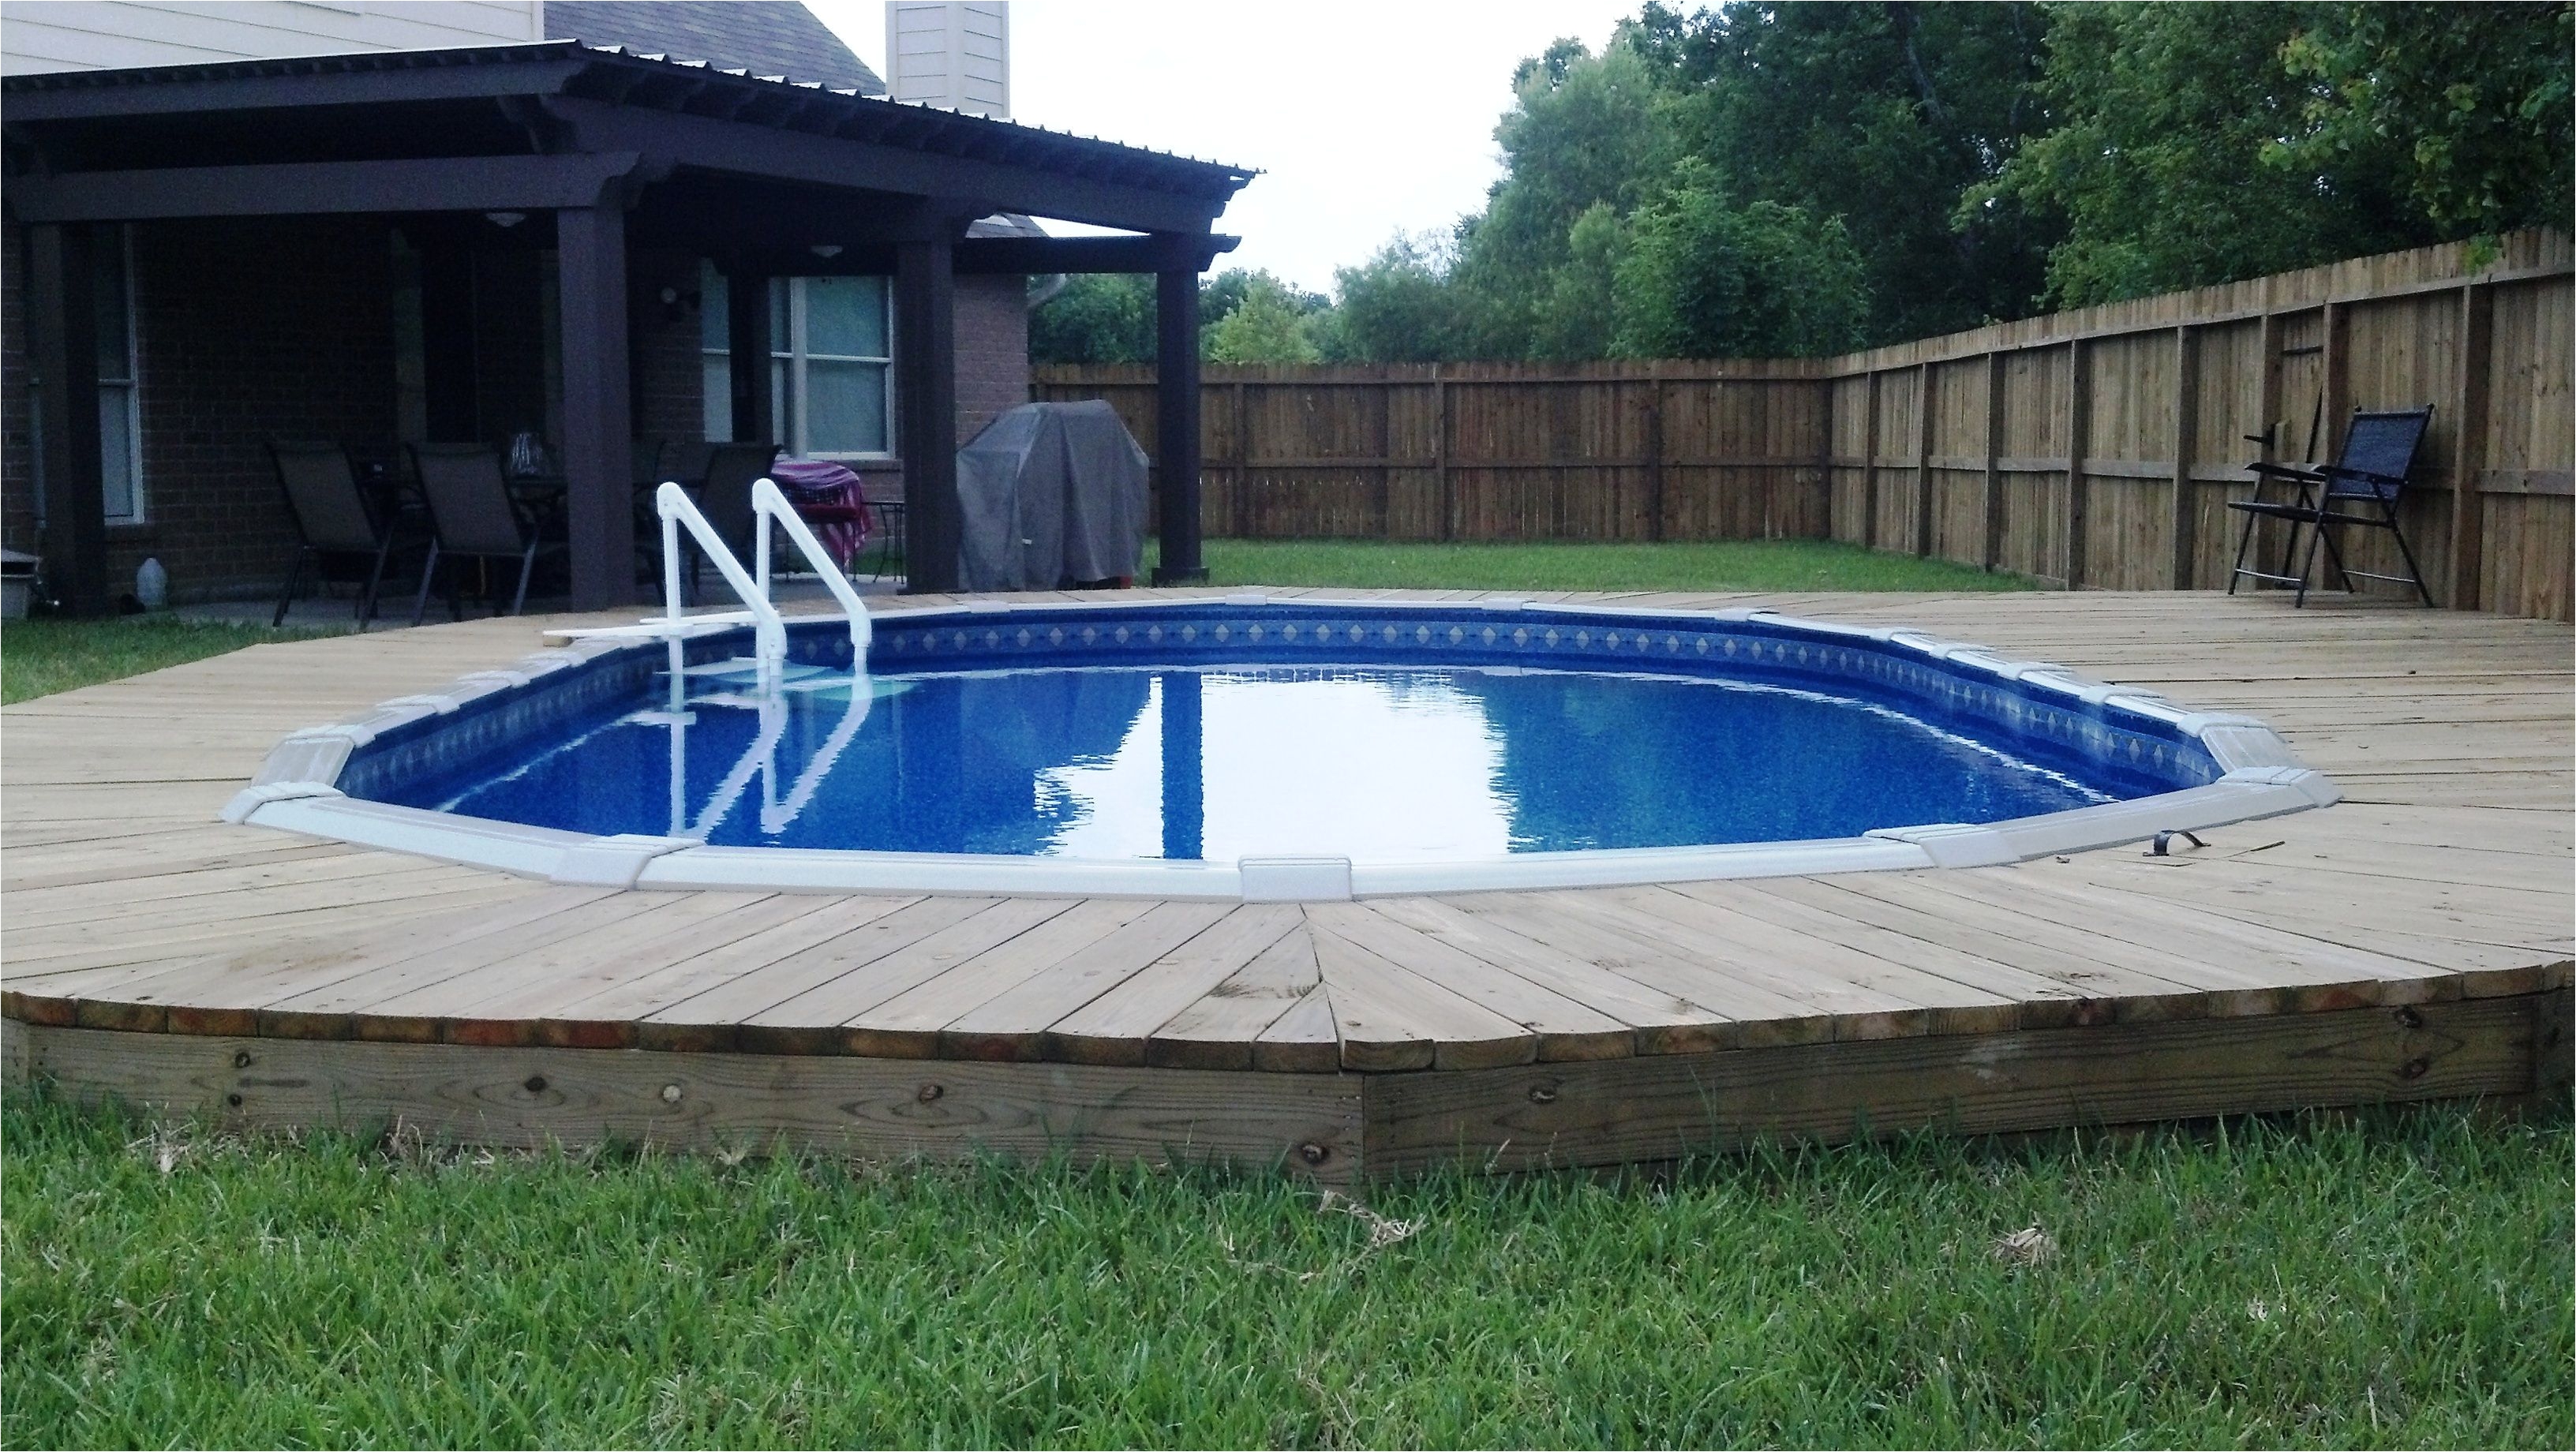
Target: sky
(1365,119)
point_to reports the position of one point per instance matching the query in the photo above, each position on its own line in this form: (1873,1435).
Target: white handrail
(769,633)
(767,503)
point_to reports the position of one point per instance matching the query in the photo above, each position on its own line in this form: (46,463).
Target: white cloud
(1366,119)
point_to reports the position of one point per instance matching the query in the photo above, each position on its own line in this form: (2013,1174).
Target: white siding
(74,35)
(952,55)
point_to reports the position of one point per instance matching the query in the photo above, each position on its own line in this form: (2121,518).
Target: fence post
(2268,387)
(1869,469)
(2469,448)
(2079,420)
(1923,459)
(1655,452)
(2186,500)
(1242,459)
(1990,503)
(2335,388)
(1440,454)
(1385,456)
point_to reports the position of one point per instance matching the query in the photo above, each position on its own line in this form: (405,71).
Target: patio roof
(566,96)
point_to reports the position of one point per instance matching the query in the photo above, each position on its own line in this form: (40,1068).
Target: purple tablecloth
(829,498)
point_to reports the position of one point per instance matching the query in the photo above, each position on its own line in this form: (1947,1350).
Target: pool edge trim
(296,790)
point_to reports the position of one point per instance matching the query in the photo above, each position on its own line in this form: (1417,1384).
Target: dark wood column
(925,352)
(1176,431)
(1184,767)
(748,345)
(447,334)
(599,492)
(62,327)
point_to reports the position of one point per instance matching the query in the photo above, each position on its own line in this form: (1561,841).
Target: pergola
(597,149)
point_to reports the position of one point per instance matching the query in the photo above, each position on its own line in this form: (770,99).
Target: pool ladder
(769,632)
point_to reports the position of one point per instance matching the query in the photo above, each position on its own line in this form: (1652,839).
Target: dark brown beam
(1176,425)
(925,363)
(367,86)
(62,326)
(693,141)
(748,345)
(449,184)
(1037,256)
(599,496)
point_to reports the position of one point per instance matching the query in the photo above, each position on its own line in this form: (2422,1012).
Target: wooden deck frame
(2411,943)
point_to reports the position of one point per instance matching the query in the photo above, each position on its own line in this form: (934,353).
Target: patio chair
(2360,490)
(331,517)
(725,498)
(473,515)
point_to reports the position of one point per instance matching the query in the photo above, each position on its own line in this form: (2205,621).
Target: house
(589,219)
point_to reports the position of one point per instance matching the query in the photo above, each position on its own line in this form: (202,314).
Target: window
(120,426)
(831,374)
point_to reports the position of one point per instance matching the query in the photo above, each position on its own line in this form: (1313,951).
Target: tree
(1096,318)
(1264,321)
(1587,137)
(2468,104)
(1881,115)
(2199,144)
(1404,305)
(1706,279)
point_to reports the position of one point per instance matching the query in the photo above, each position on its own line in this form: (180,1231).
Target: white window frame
(131,385)
(788,359)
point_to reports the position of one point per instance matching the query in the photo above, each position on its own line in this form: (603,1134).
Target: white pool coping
(295,791)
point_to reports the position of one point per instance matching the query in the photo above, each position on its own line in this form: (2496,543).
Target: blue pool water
(1374,761)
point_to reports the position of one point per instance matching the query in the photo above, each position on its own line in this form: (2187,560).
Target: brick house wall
(992,350)
(246,330)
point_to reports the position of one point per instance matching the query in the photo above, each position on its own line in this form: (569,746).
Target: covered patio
(577,161)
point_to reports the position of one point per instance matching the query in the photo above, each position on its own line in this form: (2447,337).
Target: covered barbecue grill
(1051,495)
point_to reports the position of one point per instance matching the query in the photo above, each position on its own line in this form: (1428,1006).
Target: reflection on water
(1375,764)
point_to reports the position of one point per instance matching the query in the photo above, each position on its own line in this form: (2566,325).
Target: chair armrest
(2286,471)
(2364,476)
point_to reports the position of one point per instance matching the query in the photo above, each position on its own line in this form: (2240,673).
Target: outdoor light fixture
(505,219)
(827,250)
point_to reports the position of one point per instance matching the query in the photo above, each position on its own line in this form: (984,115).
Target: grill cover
(1050,494)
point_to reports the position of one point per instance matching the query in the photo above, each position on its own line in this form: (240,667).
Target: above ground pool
(1242,747)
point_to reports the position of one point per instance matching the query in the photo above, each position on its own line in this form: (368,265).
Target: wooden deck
(2413,942)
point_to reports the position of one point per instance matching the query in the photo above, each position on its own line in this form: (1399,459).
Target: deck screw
(2416,1067)
(1542,1094)
(241,1058)
(929,1092)
(1313,1153)
(536,1084)
(2407,1017)
(670,1093)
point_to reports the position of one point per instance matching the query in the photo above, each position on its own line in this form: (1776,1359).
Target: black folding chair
(473,515)
(331,518)
(2361,490)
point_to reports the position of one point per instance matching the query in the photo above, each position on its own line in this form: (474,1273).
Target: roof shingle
(766,37)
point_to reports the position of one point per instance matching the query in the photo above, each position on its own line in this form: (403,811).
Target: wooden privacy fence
(1498,451)
(2092,449)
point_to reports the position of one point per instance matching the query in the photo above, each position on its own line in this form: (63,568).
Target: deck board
(2444,878)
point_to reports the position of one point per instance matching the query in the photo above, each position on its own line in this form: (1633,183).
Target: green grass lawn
(1788,564)
(40,657)
(2398,1279)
